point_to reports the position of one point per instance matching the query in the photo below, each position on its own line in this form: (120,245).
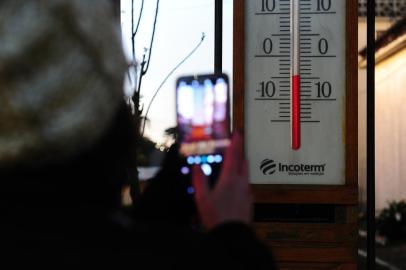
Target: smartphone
(203,119)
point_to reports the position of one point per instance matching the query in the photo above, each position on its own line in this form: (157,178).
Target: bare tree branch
(167,77)
(144,71)
(134,32)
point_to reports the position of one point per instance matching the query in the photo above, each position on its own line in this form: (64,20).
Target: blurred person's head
(64,132)
(61,74)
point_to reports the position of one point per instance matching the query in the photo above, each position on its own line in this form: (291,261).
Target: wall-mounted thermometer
(295,91)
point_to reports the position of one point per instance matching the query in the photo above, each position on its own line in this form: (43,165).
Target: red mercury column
(295,76)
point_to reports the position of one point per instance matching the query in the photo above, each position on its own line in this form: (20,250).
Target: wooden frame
(299,245)
(346,194)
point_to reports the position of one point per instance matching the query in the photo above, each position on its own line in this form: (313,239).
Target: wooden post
(307,226)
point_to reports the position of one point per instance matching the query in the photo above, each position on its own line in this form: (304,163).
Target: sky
(179,29)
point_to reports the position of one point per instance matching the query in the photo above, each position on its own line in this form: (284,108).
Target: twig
(145,63)
(167,77)
(134,33)
(144,71)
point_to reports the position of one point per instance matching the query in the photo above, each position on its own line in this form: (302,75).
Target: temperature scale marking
(294,66)
(295,55)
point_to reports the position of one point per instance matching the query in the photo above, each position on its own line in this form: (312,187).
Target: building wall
(382,24)
(391,129)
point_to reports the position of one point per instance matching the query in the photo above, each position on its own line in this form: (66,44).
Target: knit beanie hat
(61,75)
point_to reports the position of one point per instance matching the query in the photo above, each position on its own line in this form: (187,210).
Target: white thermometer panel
(295,95)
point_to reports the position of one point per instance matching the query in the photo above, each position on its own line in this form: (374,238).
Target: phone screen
(203,114)
(203,117)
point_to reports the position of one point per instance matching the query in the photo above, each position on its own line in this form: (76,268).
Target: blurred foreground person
(66,140)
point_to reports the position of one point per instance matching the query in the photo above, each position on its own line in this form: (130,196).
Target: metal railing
(384,8)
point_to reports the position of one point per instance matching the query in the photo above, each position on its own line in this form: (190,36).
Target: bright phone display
(203,114)
(203,117)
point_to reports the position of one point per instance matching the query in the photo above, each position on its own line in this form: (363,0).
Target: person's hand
(231,198)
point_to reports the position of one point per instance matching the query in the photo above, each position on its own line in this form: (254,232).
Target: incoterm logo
(270,166)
